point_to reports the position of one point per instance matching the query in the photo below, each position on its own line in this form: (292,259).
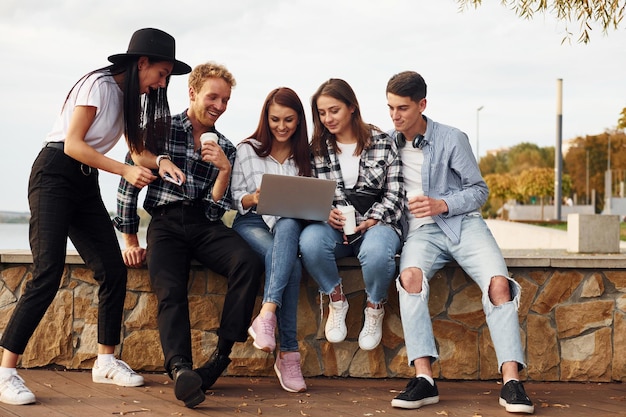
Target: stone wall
(572,315)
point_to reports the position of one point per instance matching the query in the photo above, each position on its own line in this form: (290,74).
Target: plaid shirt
(200,179)
(380,168)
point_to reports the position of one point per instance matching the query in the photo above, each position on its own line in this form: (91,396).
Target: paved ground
(514,235)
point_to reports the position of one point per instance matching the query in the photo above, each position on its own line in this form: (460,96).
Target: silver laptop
(296,197)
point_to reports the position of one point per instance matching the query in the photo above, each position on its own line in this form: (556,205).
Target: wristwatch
(162,157)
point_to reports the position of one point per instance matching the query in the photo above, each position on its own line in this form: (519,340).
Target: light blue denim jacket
(450,172)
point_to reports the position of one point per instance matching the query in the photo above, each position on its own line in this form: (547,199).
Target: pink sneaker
(263,331)
(289,372)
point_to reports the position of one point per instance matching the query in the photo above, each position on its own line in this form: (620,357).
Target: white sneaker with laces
(372,331)
(335,329)
(13,391)
(116,372)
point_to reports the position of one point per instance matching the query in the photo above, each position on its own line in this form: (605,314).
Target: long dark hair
(340,90)
(147,117)
(299,141)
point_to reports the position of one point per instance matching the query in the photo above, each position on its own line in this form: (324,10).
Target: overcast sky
(478,57)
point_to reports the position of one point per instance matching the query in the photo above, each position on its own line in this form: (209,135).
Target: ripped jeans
(429,249)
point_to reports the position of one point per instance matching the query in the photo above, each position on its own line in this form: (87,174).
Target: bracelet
(162,157)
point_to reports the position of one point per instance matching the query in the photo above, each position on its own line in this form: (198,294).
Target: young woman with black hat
(128,97)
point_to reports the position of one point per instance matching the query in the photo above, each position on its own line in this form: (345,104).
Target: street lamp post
(477,133)
(608,180)
(587,181)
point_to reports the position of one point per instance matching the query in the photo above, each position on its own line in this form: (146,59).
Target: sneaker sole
(21,402)
(411,405)
(268,349)
(516,408)
(105,380)
(286,388)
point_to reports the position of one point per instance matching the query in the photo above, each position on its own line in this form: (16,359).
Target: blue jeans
(428,249)
(321,246)
(283,270)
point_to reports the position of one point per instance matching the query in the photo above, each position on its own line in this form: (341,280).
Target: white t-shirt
(349,164)
(412,161)
(100,91)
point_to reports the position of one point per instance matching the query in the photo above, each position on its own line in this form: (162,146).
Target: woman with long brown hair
(365,163)
(278,146)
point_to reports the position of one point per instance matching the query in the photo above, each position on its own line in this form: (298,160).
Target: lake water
(15,236)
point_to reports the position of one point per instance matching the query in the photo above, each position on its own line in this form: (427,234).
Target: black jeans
(177,234)
(64,198)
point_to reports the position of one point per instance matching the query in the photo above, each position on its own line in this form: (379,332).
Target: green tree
(621,122)
(596,148)
(607,13)
(494,163)
(517,159)
(502,187)
(528,155)
(539,182)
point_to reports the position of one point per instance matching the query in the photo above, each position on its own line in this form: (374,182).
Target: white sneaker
(14,392)
(336,329)
(372,331)
(116,372)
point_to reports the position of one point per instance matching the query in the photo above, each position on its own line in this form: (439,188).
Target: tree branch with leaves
(608,14)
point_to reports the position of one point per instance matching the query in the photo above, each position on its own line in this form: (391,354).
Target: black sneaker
(417,393)
(187,384)
(213,369)
(514,399)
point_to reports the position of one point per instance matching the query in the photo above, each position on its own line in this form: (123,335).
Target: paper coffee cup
(414,193)
(208,137)
(350,223)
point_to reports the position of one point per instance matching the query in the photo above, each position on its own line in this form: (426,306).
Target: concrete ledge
(514,258)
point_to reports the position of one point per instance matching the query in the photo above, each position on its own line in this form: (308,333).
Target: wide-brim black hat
(153,43)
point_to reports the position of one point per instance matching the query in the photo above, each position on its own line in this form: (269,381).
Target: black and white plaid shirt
(200,179)
(380,168)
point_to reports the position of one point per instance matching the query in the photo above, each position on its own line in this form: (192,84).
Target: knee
(411,280)
(313,240)
(499,290)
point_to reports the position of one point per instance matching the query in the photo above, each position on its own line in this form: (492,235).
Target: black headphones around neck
(418,143)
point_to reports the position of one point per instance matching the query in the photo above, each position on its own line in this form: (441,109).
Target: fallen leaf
(303,413)
(280,405)
(258,411)
(442,413)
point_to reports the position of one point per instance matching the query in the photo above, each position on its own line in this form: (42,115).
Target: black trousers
(177,234)
(64,198)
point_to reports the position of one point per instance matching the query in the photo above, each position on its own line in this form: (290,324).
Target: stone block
(542,349)
(592,233)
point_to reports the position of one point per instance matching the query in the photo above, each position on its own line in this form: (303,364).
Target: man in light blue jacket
(445,191)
